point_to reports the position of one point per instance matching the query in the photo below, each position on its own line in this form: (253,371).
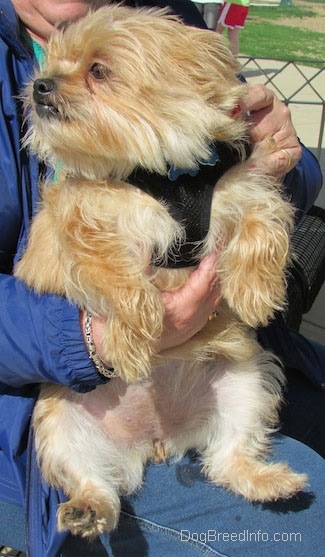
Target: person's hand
(276,146)
(187,309)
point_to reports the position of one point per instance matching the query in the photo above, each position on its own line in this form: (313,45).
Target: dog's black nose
(42,89)
(45,105)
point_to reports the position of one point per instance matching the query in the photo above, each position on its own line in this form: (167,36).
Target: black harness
(188,198)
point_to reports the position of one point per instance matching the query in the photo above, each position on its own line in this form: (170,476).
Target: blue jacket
(40,335)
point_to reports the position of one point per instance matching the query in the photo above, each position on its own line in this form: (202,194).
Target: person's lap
(12,529)
(178,513)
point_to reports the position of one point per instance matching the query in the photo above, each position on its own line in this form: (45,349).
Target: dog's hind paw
(87,520)
(261,482)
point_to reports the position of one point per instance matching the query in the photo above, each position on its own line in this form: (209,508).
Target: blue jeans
(177,513)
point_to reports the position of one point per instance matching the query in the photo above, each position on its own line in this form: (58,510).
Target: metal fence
(295,83)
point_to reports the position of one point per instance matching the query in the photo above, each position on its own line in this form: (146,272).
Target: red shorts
(232,15)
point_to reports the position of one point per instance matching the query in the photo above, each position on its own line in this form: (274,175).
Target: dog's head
(124,88)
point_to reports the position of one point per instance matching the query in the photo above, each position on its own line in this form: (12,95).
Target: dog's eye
(98,71)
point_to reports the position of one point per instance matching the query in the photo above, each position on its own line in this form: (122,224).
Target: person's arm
(41,340)
(275,143)
(304,182)
(187,309)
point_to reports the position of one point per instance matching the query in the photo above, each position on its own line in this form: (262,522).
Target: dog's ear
(210,63)
(212,73)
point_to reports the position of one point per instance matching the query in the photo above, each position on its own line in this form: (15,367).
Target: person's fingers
(277,154)
(271,121)
(187,309)
(276,148)
(203,279)
(257,97)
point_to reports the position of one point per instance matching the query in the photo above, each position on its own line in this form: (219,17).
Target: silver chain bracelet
(108,372)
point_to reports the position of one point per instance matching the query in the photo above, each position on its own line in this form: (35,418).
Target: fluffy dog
(126,91)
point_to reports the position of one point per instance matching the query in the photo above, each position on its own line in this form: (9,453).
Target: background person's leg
(233,36)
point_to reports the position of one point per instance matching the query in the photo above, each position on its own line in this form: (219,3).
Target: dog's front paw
(253,279)
(86,519)
(132,349)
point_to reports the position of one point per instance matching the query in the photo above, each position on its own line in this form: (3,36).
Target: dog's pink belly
(148,411)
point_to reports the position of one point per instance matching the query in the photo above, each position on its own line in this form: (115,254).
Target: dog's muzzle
(43,90)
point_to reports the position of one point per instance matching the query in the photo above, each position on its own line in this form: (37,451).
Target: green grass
(264,36)
(279,12)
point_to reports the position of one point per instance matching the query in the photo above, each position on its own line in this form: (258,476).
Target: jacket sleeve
(41,340)
(303,183)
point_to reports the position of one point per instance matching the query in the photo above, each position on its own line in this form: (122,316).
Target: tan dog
(124,89)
